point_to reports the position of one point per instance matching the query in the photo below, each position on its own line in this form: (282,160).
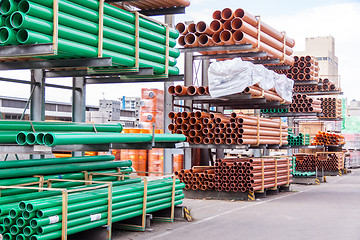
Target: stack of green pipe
(41,218)
(273,110)
(70,138)
(303,174)
(31,22)
(307,139)
(294,140)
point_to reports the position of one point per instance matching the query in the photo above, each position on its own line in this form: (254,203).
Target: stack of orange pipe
(303,103)
(242,174)
(197,178)
(328,139)
(305,68)
(211,128)
(331,107)
(330,161)
(149,5)
(254,91)
(305,162)
(238,27)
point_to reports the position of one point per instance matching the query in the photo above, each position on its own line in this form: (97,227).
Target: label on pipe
(95,217)
(54,219)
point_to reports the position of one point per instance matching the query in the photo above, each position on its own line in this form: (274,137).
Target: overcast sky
(300,19)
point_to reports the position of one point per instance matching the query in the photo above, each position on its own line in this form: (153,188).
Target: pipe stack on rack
(305,162)
(212,128)
(31,22)
(274,110)
(325,85)
(197,178)
(305,68)
(331,107)
(304,104)
(298,140)
(237,174)
(328,139)
(330,161)
(237,27)
(146,5)
(191,90)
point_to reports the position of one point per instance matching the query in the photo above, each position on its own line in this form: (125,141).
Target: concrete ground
(327,211)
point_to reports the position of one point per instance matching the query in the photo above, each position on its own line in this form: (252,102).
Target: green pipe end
(39,214)
(17,20)
(7,36)
(8,236)
(49,139)
(28,231)
(13,213)
(22,205)
(40,230)
(27,215)
(34,223)
(24,7)
(21,237)
(14,230)
(20,222)
(7,221)
(21,136)
(31,138)
(7,7)
(40,138)
(2,229)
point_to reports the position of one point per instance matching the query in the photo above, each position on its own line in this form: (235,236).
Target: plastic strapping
(101,29)
(284,53)
(64,222)
(137,39)
(144,202)
(258,131)
(276,172)
(288,171)
(32,127)
(281,135)
(56,27)
(262,174)
(95,130)
(258,18)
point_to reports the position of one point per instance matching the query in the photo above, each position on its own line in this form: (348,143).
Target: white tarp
(233,76)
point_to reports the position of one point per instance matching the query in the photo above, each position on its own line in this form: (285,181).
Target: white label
(41,148)
(182,145)
(95,217)
(54,219)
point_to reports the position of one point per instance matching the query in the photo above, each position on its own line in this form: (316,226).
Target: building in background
(12,108)
(323,49)
(354,109)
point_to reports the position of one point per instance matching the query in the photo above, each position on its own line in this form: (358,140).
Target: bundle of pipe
(210,128)
(51,139)
(254,91)
(331,107)
(305,68)
(327,85)
(275,110)
(309,88)
(296,140)
(191,90)
(31,22)
(238,27)
(303,103)
(328,139)
(330,161)
(40,217)
(243,174)
(305,162)
(147,5)
(303,174)
(197,178)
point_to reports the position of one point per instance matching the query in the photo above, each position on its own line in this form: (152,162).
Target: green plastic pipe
(65,168)
(53,161)
(31,138)
(7,221)
(3,229)
(8,137)
(21,222)
(10,125)
(8,22)
(15,213)
(8,236)
(28,231)
(7,7)
(36,10)
(22,237)
(15,230)
(169,137)
(8,36)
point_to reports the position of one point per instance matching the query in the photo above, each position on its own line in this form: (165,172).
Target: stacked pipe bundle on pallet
(146,5)
(303,103)
(331,107)
(254,91)
(28,214)
(212,128)
(298,140)
(128,39)
(238,27)
(325,85)
(330,161)
(197,178)
(242,174)
(305,68)
(274,110)
(328,139)
(305,162)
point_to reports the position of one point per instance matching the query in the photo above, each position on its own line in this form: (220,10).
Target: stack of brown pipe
(243,174)
(149,5)
(305,68)
(191,90)
(197,178)
(238,27)
(255,92)
(331,107)
(304,104)
(328,139)
(209,128)
(327,161)
(325,85)
(305,162)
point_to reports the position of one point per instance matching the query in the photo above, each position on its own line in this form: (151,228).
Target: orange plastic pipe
(182,28)
(191,40)
(227,14)
(216,26)
(202,28)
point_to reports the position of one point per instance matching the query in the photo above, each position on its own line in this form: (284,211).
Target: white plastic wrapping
(233,76)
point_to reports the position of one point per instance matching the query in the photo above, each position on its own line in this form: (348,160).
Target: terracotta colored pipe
(262,133)
(180,90)
(191,90)
(219,141)
(180,121)
(201,90)
(301,64)
(227,37)
(194,121)
(199,114)
(205,131)
(261,141)
(172,127)
(202,28)
(211,135)
(206,121)
(185,115)
(181,41)
(198,140)
(216,26)
(239,24)
(191,28)
(193,133)
(240,13)
(227,25)
(222,125)
(182,28)
(219,120)
(218,130)
(172,115)
(178,114)
(207,90)
(230,141)
(295,71)
(208,141)
(217,15)
(171,90)
(191,40)
(227,14)
(254,91)
(217,41)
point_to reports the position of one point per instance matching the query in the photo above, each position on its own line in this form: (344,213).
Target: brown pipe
(180,90)
(217,15)
(191,28)
(227,25)
(181,27)
(199,114)
(191,90)
(201,90)
(226,37)
(216,26)
(227,14)
(208,140)
(202,28)
(172,115)
(191,40)
(171,90)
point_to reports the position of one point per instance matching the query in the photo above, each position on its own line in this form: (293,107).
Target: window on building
(64,108)
(13,103)
(50,107)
